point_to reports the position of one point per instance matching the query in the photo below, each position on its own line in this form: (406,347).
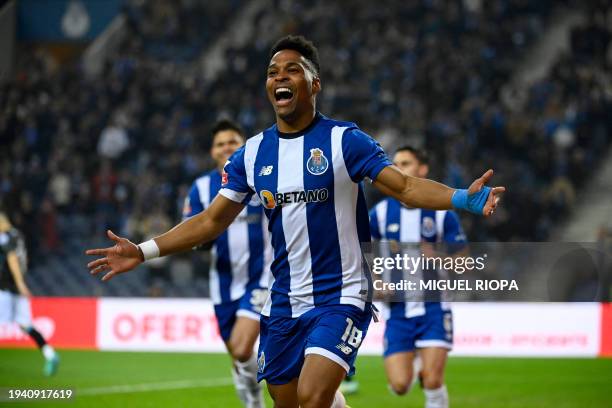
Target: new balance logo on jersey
(270,200)
(393,227)
(266,170)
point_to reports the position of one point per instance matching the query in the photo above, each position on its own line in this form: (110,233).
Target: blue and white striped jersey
(242,255)
(391,220)
(310,186)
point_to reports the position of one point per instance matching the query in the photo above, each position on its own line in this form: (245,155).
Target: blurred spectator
(103,187)
(153,225)
(48,227)
(60,189)
(113,140)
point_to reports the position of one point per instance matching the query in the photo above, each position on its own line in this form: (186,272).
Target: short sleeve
(374,230)
(453,232)
(193,204)
(234,184)
(8,242)
(363,155)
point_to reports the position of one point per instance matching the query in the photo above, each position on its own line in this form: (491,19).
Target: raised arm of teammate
(204,227)
(423,193)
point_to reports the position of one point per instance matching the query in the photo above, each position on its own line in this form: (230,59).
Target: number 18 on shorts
(333,331)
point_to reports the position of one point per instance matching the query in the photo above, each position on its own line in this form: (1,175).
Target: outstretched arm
(206,226)
(424,193)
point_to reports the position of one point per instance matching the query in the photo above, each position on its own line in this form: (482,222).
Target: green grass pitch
(109,379)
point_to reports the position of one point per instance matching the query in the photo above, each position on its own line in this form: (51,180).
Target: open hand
(122,257)
(494,194)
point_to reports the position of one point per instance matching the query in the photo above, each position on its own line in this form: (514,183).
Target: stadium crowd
(125,146)
(434,74)
(120,146)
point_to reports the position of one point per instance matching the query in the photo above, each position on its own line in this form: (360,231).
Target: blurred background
(106,108)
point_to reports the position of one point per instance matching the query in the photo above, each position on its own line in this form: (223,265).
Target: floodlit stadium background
(105,111)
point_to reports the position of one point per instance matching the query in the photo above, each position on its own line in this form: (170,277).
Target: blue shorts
(334,331)
(249,305)
(434,329)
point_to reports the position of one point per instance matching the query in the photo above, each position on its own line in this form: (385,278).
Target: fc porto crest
(428,228)
(317,164)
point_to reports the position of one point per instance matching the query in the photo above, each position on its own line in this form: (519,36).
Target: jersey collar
(293,135)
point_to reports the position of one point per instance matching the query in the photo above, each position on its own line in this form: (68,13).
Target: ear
(423,170)
(316,85)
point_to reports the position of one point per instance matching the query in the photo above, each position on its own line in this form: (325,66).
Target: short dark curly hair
(300,44)
(420,154)
(226,124)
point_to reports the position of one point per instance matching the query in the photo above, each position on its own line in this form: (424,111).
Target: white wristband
(149,249)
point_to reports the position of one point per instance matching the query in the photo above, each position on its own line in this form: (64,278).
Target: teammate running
(307,171)
(411,326)
(14,292)
(240,266)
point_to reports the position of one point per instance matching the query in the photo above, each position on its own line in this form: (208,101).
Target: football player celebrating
(307,171)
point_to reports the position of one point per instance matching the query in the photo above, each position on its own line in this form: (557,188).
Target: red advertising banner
(158,325)
(64,322)
(534,329)
(606,330)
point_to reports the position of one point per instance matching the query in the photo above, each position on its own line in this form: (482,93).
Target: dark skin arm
(208,225)
(204,227)
(423,193)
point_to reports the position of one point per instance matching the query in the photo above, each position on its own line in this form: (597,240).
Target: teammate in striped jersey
(423,326)
(240,267)
(307,171)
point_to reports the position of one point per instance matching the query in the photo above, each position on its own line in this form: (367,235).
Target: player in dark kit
(14,292)
(307,170)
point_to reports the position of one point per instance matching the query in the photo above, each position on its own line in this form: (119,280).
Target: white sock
(437,398)
(339,401)
(48,352)
(245,379)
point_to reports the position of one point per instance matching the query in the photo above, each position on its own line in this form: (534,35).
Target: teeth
(279,90)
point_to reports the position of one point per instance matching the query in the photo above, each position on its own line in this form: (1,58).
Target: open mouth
(283,95)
